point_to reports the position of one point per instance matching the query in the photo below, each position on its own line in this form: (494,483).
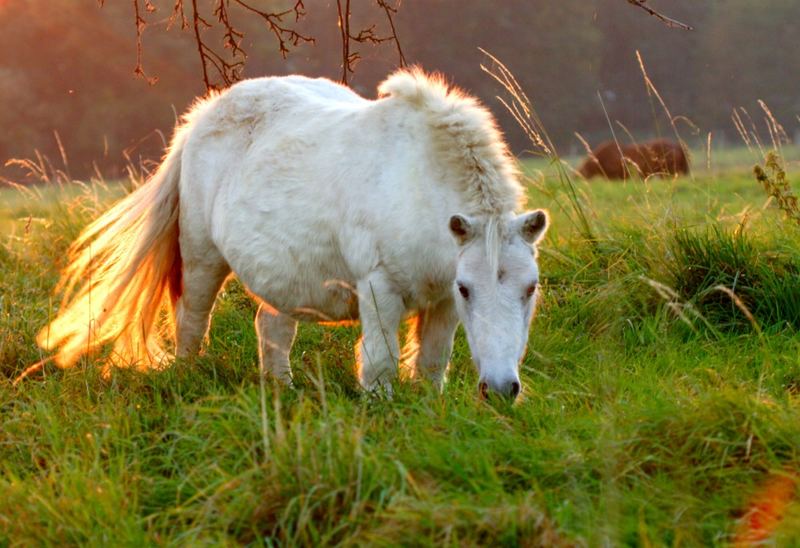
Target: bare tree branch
(274,22)
(344,30)
(140,25)
(365,35)
(228,67)
(390,12)
(672,23)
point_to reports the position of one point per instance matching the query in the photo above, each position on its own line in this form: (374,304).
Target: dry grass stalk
(773,178)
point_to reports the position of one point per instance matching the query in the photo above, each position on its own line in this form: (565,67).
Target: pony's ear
(532,225)
(462,229)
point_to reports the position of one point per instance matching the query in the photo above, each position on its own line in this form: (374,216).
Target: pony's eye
(464,291)
(530,291)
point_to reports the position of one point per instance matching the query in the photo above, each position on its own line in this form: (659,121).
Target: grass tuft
(734,280)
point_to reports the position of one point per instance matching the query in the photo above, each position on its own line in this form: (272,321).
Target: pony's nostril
(515,388)
(483,390)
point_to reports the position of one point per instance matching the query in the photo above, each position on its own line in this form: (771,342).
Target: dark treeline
(67,67)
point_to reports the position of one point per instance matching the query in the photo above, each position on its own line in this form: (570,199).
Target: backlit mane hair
(465,136)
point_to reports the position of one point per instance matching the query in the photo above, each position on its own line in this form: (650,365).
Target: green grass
(646,419)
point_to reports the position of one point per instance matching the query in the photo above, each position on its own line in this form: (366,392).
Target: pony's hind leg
(201,283)
(276,334)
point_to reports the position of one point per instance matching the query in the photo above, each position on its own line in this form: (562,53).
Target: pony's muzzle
(508,388)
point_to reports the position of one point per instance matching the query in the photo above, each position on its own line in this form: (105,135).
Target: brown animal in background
(660,157)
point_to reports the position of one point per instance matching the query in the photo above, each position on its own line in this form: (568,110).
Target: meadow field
(661,400)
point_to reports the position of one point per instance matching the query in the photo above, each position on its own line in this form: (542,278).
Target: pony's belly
(333,300)
(308,290)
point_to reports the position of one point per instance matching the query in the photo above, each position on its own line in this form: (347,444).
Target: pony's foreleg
(201,283)
(276,334)
(380,309)
(436,327)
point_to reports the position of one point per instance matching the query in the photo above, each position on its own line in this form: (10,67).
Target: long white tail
(123,271)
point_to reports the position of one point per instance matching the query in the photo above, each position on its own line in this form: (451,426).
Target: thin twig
(140,24)
(390,13)
(228,67)
(670,22)
(365,35)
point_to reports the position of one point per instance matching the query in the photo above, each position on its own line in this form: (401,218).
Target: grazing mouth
(510,390)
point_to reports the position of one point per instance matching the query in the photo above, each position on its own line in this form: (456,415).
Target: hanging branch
(220,70)
(672,23)
(229,67)
(230,71)
(140,25)
(206,53)
(344,30)
(274,22)
(390,12)
(365,35)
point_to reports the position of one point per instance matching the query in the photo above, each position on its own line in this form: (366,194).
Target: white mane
(466,137)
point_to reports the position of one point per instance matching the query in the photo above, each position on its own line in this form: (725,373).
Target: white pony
(328,207)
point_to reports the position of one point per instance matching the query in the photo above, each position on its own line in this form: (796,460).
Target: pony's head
(495,291)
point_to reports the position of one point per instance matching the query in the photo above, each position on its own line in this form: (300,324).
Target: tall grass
(521,108)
